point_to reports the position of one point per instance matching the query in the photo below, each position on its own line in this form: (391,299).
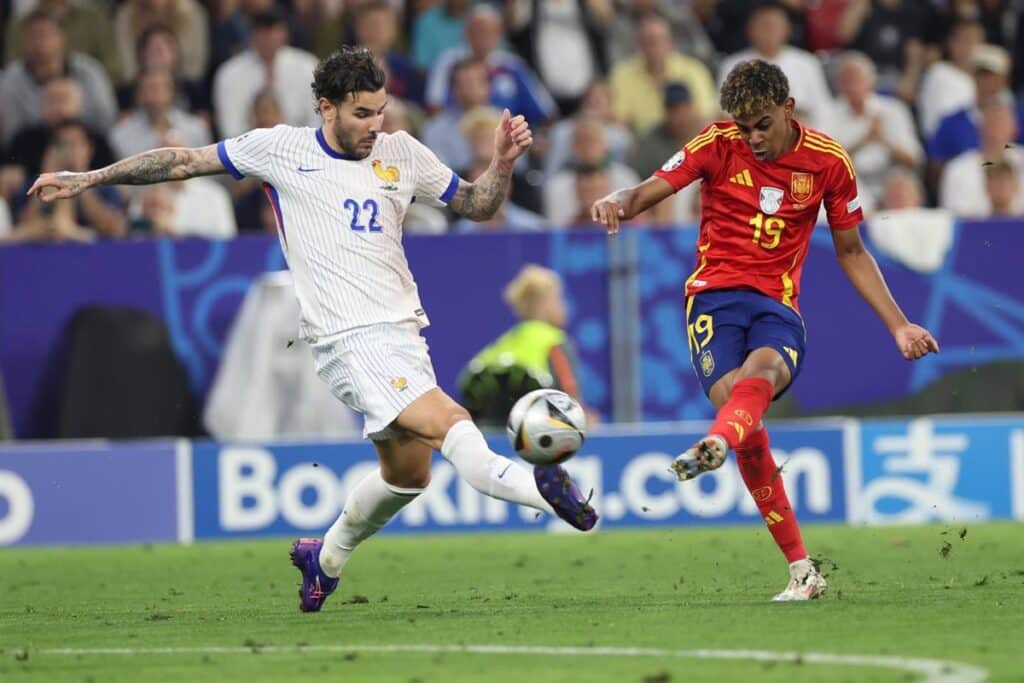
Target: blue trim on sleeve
(222,152)
(449,192)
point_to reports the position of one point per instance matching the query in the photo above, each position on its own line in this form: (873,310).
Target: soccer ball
(546,427)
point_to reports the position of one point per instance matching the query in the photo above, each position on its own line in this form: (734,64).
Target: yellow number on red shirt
(769,228)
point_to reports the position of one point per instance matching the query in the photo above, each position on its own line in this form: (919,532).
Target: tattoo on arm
(479,201)
(158,165)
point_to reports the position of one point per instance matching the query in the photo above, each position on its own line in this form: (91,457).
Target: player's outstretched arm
(154,166)
(860,267)
(481,199)
(622,205)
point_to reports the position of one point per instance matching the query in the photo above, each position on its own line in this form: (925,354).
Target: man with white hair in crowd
(877,130)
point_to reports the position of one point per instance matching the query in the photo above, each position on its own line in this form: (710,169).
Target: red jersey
(757,216)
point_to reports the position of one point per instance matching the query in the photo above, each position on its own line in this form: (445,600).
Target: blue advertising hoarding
(70,493)
(949,469)
(298,489)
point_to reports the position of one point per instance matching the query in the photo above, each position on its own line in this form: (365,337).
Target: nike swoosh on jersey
(307,170)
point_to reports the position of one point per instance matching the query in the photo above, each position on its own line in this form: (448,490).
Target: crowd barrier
(953,469)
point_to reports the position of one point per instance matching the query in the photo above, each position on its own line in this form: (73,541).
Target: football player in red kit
(764,178)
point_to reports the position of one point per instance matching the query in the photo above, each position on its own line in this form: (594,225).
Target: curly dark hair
(751,88)
(348,70)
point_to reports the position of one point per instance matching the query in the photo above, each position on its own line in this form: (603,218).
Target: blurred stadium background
(152,389)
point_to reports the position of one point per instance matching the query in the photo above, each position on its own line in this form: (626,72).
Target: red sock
(741,414)
(760,474)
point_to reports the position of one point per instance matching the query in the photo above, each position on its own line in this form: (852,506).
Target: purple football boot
(316,585)
(558,489)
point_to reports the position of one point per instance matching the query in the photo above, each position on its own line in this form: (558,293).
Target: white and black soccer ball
(546,427)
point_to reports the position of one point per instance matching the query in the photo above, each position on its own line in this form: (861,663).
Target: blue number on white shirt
(369,205)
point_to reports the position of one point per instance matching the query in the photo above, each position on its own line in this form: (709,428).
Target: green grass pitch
(228,611)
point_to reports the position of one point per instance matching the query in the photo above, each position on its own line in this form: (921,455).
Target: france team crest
(771,199)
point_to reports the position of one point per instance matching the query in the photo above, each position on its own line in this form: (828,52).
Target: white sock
(486,471)
(372,503)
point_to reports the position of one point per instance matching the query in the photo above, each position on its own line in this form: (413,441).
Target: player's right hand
(608,211)
(51,186)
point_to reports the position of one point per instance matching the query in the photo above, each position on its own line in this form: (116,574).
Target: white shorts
(378,371)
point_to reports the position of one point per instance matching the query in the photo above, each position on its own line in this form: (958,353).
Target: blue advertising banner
(88,493)
(937,469)
(246,490)
(955,470)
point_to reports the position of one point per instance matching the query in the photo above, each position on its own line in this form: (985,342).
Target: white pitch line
(933,670)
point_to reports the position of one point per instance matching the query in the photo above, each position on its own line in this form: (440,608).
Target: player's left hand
(512,137)
(915,341)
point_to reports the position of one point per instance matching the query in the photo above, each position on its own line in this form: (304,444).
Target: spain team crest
(770,199)
(801,186)
(707,363)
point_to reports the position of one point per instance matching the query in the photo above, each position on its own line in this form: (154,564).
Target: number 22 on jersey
(370,206)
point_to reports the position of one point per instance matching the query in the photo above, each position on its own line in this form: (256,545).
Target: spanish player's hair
(345,71)
(529,287)
(753,87)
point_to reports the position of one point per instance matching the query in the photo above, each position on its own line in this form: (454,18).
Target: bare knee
(453,416)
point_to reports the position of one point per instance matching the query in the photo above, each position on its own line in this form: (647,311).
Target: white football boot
(805,583)
(706,455)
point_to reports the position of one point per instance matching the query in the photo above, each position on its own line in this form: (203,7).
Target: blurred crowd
(925,95)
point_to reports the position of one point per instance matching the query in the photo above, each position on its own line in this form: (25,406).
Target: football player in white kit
(340,193)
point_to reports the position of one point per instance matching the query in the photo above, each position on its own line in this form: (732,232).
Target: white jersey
(340,220)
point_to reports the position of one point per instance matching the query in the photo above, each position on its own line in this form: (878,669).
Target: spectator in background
(589,185)
(947,85)
(768,31)
(85,26)
(269,63)
(186,19)
(589,153)
(597,104)
(890,33)
(191,208)
(653,149)
(199,207)
(45,59)
(155,116)
(158,48)
(902,189)
(552,34)
(61,101)
(471,88)
(962,189)
(229,32)
(320,26)
(97,212)
(377,29)
(690,37)
(958,132)
(1003,187)
(638,84)
(253,211)
(724,19)
(436,29)
(478,128)
(877,130)
(513,84)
